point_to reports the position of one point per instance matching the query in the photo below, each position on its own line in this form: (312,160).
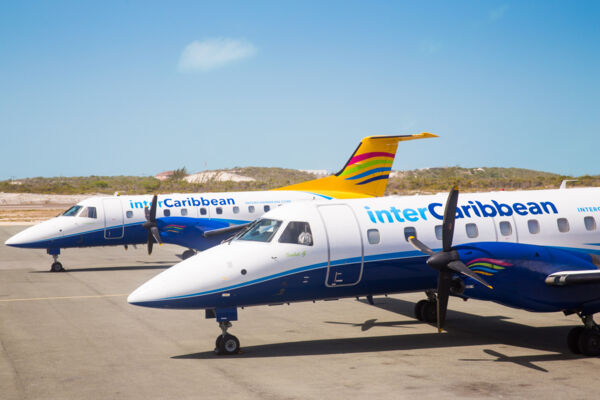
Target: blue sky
(135,88)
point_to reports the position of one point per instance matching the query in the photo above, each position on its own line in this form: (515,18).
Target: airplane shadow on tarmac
(463,329)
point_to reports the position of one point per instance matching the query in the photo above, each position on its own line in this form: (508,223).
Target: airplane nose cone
(38,236)
(186,284)
(168,284)
(18,240)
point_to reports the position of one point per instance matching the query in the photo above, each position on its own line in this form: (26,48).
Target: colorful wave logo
(174,228)
(487,266)
(369,167)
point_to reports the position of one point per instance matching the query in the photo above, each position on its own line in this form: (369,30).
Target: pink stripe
(491,261)
(365,156)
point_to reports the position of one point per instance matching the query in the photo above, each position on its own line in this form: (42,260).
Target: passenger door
(113,218)
(344,245)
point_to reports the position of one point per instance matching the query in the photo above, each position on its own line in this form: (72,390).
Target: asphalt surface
(72,335)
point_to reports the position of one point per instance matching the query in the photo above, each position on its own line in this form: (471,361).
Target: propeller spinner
(446,261)
(150,224)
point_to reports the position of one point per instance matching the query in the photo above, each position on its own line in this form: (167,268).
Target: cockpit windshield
(71,212)
(262,230)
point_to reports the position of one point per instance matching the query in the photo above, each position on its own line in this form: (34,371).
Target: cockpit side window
(262,231)
(71,212)
(88,212)
(297,232)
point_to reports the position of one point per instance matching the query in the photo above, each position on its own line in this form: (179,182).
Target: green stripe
(360,167)
(488,265)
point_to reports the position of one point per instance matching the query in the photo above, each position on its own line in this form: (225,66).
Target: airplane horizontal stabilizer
(365,174)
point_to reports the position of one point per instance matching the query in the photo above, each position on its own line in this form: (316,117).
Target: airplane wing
(568,278)
(228,229)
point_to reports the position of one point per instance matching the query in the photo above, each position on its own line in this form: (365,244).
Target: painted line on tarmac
(62,298)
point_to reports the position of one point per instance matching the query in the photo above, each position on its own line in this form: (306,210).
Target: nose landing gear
(56,266)
(226,344)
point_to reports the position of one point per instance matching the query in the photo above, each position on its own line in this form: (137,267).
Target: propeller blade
(147,213)
(150,242)
(156,234)
(422,247)
(153,208)
(460,267)
(449,217)
(443,292)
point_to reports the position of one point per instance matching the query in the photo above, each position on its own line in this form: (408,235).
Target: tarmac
(72,335)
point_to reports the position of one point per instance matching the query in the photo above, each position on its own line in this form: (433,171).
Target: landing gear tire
(227,345)
(429,312)
(187,254)
(56,267)
(589,342)
(419,309)
(573,339)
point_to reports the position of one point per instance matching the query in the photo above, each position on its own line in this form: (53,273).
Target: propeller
(446,261)
(150,224)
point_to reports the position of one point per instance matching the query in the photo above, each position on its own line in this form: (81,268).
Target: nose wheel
(56,266)
(226,344)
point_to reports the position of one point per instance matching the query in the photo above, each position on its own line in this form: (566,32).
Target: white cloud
(214,53)
(497,13)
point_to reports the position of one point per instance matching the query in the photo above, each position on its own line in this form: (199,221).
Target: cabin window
(183,212)
(71,212)
(505,228)
(590,223)
(88,212)
(267,208)
(472,230)
(129,214)
(409,231)
(438,232)
(236,210)
(262,230)
(563,225)
(167,213)
(534,226)
(373,236)
(297,233)
(203,211)
(250,209)
(219,210)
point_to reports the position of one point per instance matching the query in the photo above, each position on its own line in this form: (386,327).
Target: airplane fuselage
(359,247)
(117,220)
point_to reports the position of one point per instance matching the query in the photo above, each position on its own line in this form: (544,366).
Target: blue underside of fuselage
(520,285)
(188,235)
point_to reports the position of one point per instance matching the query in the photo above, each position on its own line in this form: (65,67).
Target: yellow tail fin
(365,174)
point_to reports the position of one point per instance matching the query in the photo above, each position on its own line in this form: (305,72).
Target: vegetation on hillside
(429,180)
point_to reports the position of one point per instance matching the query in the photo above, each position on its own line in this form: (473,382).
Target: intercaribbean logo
(487,266)
(369,167)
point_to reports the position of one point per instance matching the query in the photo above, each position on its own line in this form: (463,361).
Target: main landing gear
(56,266)
(426,310)
(585,339)
(187,254)
(226,344)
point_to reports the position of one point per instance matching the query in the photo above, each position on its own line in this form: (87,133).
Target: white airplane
(201,220)
(534,250)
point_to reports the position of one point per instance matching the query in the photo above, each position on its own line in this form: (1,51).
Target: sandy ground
(31,208)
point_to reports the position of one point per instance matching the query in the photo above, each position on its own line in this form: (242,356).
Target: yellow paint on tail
(365,174)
